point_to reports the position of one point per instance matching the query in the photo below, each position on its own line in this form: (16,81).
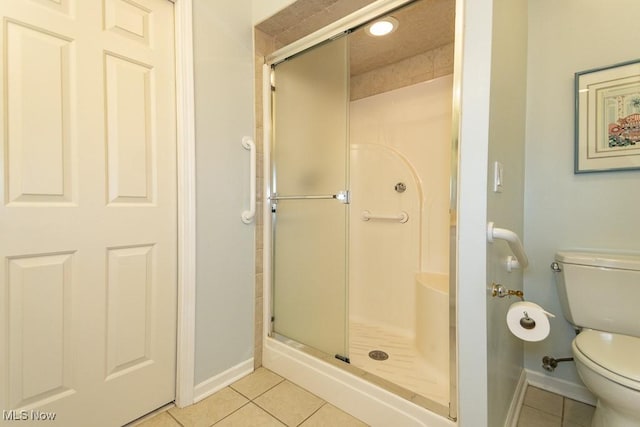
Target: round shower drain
(378,355)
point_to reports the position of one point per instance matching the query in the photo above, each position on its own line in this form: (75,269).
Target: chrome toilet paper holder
(498,290)
(526,322)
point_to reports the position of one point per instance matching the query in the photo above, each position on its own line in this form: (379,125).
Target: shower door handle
(342,196)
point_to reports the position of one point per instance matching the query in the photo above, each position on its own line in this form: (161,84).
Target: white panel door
(88,210)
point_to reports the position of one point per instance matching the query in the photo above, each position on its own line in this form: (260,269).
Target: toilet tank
(600,290)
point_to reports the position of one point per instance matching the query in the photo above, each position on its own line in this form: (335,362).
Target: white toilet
(600,296)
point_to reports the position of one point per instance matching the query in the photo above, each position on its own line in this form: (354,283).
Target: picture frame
(607,118)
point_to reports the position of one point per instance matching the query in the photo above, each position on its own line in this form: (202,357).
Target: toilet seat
(614,356)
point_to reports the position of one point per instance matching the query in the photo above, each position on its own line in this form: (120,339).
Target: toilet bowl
(598,293)
(608,364)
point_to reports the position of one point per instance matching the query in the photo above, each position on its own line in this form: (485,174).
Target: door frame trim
(186,182)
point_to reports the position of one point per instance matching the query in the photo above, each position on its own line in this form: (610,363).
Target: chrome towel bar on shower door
(341,196)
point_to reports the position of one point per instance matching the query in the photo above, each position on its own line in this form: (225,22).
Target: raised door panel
(129,306)
(129,130)
(39,340)
(62,6)
(38,135)
(128,18)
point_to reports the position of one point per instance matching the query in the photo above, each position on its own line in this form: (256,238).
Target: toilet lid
(615,352)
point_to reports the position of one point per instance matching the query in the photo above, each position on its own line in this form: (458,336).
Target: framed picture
(607,126)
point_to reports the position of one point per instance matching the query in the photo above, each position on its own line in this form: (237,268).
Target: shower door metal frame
(333,190)
(334,30)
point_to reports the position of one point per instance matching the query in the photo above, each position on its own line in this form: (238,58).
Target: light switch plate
(498,177)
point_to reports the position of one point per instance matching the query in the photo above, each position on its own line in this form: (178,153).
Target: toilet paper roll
(528,321)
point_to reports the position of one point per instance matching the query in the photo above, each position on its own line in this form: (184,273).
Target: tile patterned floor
(261,399)
(264,399)
(545,409)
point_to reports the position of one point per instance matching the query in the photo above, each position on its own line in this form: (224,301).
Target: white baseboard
(362,399)
(565,388)
(548,383)
(208,387)
(516,403)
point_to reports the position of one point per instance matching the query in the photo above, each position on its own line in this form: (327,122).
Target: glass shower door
(309,197)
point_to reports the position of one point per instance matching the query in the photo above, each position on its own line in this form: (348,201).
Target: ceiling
(425,25)
(303,17)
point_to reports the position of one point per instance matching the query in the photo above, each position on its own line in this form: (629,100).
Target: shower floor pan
(405,366)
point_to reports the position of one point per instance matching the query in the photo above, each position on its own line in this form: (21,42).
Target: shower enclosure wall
(399,235)
(357,228)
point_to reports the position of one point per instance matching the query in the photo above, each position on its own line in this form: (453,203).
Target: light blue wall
(492,128)
(223,62)
(505,209)
(564,210)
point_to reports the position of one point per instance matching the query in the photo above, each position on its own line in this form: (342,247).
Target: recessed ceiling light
(383,26)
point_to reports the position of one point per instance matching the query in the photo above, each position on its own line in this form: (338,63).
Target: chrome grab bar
(341,196)
(401,218)
(514,242)
(248,215)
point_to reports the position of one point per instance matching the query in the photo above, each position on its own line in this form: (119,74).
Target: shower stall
(399,236)
(358,217)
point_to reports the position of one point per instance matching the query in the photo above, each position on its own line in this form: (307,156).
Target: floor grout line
(311,415)
(563,413)
(231,413)
(174,418)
